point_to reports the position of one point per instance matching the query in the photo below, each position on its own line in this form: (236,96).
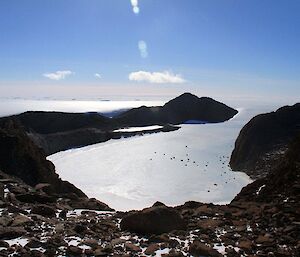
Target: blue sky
(212,47)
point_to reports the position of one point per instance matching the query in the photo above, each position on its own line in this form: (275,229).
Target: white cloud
(58,75)
(135,6)
(97,75)
(156,77)
(142,45)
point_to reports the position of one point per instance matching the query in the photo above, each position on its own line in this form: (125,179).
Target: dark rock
(4,244)
(34,243)
(74,251)
(34,197)
(7,233)
(1,191)
(63,214)
(79,228)
(44,210)
(153,220)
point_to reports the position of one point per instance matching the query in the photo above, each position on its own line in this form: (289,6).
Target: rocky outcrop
(21,158)
(154,220)
(177,111)
(282,183)
(264,139)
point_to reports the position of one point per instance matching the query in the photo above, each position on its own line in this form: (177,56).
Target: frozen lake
(133,173)
(174,167)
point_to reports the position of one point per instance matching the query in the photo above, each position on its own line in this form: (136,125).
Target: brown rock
(74,251)
(91,242)
(21,220)
(209,223)
(153,220)
(151,249)
(7,233)
(199,249)
(132,248)
(264,239)
(245,244)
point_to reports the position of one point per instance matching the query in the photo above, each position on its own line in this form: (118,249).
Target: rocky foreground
(263,220)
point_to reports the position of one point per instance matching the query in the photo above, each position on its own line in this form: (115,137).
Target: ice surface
(133,173)
(134,129)
(17,241)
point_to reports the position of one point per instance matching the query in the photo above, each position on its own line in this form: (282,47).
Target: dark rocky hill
(53,122)
(264,139)
(177,111)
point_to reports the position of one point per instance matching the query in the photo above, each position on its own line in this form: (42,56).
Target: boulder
(198,249)
(44,210)
(153,220)
(74,251)
(21,220)
(7,233)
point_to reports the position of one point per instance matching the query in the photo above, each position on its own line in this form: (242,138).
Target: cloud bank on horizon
(58,75)
(164,77)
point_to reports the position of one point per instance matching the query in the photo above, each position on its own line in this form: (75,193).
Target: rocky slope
(58,131)
(264,139)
